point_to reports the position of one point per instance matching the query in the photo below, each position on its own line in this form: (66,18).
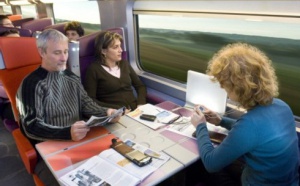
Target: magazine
(100,121)
(163,116)
(111,168)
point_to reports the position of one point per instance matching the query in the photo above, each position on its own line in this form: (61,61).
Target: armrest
(26,150)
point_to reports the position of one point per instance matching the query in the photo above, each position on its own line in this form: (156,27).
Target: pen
(155,157)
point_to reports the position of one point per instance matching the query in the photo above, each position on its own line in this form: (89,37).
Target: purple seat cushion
(86,52)
(10,125)
(59,27)
(21,21)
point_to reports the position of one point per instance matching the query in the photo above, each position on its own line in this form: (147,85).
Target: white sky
(218,25)
(283,28)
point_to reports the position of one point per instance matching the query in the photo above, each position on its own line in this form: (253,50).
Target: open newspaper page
(163,117)
(97,171)
(100,121)
(111,168)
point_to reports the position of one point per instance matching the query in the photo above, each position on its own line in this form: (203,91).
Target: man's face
(72,35)
(56,56)
(7,23)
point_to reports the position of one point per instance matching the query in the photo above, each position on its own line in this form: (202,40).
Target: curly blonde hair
(246,71)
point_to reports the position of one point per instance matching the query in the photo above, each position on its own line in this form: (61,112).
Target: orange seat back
(19,58)
(15,17)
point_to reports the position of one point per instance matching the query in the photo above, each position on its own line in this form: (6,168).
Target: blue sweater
(265,137)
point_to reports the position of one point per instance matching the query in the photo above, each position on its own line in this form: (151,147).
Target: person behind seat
(52,101)
(73,30)
(265,136)
(10,33)
(109,79)
(5,21)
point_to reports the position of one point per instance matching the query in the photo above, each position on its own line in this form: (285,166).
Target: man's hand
(112,111)
(79,130)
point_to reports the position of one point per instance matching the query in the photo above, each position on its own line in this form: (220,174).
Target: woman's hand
(197,117)
(210,116)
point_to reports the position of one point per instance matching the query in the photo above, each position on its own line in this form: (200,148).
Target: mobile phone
(135,156)
(201,108)
(148,117)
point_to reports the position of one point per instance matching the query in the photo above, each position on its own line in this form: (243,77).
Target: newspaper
(111,168)
(163,117)
(100,121)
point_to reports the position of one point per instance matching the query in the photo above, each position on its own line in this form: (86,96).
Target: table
(64,156)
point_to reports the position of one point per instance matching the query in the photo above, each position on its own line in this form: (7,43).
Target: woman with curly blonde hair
(265,136)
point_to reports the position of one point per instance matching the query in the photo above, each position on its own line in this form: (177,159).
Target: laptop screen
(201,90)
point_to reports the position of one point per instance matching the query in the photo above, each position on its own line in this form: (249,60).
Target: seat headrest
(19,22)
(86,44)
(37,24)
(120,31)
(19,51)
(15,17)
(60,27)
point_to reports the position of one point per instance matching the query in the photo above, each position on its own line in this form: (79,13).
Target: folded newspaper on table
(100,121)
(163,116)
(111,168)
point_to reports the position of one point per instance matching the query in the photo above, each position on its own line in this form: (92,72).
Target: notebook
(202,90)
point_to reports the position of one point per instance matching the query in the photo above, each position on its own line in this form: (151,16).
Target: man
(73,30)
(5,21)
(52,101)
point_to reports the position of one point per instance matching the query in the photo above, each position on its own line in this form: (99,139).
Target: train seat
(37,24)
(59,27)
(23,32)
(16,65)
(15,17)
(19,22)
(86,52)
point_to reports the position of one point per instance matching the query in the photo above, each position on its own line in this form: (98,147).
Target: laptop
(202,90)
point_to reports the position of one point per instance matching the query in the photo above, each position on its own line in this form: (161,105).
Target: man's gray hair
(49,35)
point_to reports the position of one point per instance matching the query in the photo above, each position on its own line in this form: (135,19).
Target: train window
(86,12)
(171,44)
(28,11)
(7,9)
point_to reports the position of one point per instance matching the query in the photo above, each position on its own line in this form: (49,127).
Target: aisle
(12,170)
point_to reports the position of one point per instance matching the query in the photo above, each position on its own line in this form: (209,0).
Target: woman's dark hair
(74,25)
(9,31)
